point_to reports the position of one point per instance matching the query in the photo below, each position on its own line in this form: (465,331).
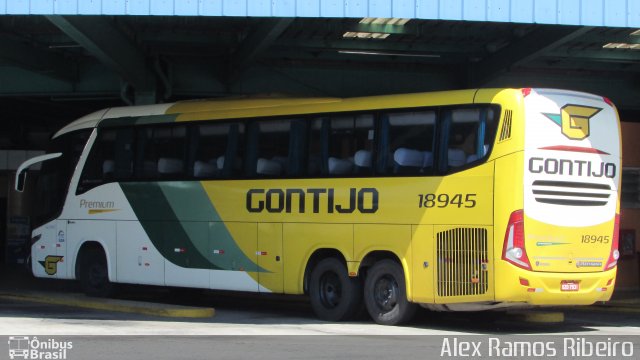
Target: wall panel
(612,13)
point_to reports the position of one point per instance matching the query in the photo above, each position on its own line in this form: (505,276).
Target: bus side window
(407,143)
(110,159)
(208,145)
(349,148)
(269,148)
(467,137)
(161,152)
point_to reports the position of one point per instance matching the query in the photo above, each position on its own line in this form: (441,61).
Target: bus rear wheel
(334,295)
(94,274)
(385,294)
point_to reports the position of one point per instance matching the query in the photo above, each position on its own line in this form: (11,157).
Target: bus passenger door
(270,257)
(232,252)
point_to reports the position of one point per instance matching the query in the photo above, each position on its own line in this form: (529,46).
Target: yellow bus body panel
(266,107)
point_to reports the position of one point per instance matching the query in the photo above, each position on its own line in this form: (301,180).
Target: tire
(334,295)
(385,294)
(94,274)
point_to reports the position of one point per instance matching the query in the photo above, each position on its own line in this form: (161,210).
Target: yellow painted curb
(117,305)
(539,317)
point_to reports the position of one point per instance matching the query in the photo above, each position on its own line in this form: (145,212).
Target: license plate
(568,285)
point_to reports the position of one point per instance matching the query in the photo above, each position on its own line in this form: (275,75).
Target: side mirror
(21,174)
(21,179)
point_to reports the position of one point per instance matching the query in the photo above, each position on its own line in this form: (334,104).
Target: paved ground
(241,314)
(240,322)
(262,317)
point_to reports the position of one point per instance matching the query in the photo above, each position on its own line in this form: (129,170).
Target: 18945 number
(445,200)
(592,239)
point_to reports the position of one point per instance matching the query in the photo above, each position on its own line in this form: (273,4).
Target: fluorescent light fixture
(385,21)
(384,53)
(364,35)
(375,35)
(621,46)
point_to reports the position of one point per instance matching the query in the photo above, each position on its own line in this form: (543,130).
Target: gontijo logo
(574,120)
(50,264)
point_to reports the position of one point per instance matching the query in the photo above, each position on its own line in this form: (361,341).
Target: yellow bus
(454,201)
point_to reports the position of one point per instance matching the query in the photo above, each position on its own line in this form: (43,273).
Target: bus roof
(245,107)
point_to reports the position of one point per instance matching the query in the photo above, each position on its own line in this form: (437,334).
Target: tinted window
(216,150)
(467,137)
(161,152)
(387,143)
(341,145)
(408,144)
(110,159)
(55,175)
(269,148)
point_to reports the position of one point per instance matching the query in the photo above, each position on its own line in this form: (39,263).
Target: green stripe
(179,215)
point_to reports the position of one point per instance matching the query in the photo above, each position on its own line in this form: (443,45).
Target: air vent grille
(505,132)
(462,262)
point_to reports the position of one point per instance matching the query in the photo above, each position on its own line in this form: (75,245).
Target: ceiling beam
(110,46)
(263,36)
(42,62)
(380,45)
(604,38)
(602,55)
(523,50)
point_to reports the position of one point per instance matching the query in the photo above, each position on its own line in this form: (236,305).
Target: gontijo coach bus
(457,200)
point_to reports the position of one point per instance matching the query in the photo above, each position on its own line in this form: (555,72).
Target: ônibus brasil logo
(31,348)
(574,120)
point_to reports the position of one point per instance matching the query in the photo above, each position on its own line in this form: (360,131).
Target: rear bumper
(544,288)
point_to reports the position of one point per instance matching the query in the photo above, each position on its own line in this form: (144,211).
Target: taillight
(614,254)
(526,92)
(513,249)
(608,101)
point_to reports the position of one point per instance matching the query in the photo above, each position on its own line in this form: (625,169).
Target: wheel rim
(330,290)
(385,293)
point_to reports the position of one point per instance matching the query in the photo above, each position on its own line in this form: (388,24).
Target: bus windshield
(53,180)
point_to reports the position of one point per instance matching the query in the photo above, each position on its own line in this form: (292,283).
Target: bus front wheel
(334,295)
(94,274)
(385,294)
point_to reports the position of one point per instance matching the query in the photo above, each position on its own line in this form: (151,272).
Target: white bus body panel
(49,254)
(575,163)
(138,260)
(102,232)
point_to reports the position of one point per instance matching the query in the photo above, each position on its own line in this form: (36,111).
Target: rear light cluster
(608,101)
(513,249)
(614,254)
